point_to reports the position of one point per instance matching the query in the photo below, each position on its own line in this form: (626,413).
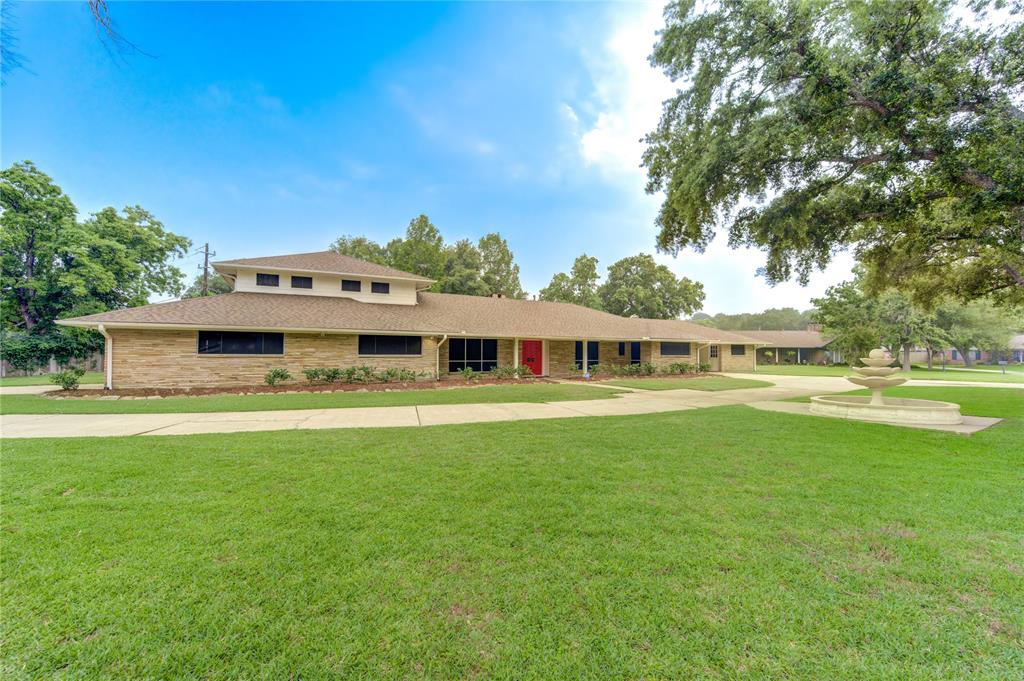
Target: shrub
(679,368)
(523,371)
(275,376)
(388,375)
(467,373)
(504,372)
(703,367)
(647,368)
(68,378)
(361,374)
(313,375)
(407,375)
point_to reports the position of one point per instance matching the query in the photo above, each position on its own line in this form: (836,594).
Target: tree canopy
(785,318)
(54,266)
(484,269)
(635,285)
(809,126)
(216,286)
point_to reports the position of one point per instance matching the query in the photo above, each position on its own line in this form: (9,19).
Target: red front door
(532,355)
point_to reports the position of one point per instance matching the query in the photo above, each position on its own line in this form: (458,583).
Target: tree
(850,318)
(638,286)
(217,286)
(974,325)
(578,287)
(785,318)
(498,270)
(420,252)
(54,266)
(462,270)
(362,248)
(813,126)
(902,325)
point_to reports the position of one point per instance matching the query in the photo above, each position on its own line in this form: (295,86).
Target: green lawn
(540,392)
(12,381)
(916,373)
(709,383)
(716,543)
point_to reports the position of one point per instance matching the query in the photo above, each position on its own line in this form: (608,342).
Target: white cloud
(608,125)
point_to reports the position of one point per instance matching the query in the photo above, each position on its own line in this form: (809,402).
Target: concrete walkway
(634,402)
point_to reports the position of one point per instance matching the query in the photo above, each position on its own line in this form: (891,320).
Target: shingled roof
(789,339)
(327,262)
(436,313)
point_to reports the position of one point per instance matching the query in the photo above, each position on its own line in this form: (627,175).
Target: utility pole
(206,269)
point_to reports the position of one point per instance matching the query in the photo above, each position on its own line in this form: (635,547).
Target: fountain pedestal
(876,375)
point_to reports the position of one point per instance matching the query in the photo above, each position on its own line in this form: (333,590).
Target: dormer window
(267,279)
(380,287)
(353,285)
(302,282)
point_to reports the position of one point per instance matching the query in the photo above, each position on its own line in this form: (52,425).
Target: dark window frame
(674,349)
(264,279)
(742,350)
(479,354)
(367,345)
(303,280)
(593,348)
(381,287)
(622,349)
(216,341)
(353,285)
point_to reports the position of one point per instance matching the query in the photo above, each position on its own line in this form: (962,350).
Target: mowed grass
(915,374)
(709,383)
(717,543)
(538,392)
(13,381)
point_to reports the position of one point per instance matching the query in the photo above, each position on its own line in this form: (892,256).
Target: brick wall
(730,362)
(169,359)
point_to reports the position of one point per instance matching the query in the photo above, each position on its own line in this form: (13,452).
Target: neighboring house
(793,347)
(314,310)
(1016,354)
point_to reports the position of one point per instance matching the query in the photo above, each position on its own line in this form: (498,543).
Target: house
(794,347)
(1016,349)
(318,310)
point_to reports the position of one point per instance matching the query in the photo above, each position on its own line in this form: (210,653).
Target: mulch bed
(443,384)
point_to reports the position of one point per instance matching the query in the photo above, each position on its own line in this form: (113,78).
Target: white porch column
(108,357)
(586,345)
(515,352)
(776,355)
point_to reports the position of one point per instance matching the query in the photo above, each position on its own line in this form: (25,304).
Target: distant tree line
(775,318)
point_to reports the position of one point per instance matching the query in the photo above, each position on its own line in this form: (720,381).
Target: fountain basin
(892,410)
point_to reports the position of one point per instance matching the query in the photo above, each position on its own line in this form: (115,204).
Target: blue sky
(269,128)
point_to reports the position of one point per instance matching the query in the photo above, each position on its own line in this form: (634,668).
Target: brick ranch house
(794,347)
(318,310)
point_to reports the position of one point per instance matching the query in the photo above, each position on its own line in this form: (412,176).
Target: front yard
(717,543)
(96,404)
(90,377)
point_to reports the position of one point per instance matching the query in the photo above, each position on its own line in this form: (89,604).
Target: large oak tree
(808,126)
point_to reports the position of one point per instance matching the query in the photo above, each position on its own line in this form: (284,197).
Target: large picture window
(240,343)
(675,349)
(390,345)
(592,353)
(478,354)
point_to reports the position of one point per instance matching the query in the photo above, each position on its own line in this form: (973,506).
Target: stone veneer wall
(170,359)
(732,362)
(654,356)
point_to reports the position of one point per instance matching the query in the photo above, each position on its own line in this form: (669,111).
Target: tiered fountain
(878,373)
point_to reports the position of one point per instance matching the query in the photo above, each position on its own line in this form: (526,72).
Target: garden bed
(444,383)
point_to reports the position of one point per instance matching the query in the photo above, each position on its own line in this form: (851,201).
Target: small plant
(68,378)
(680,368)
(388,375)
(596,369)
(275,376)
(467,373)
(332,375)
(523,371)
(406,375)
(575,369)
(313,375)
(703,367)
(647,368)
(361,374)
(505,372)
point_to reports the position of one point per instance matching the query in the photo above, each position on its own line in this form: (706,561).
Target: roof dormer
(323,273)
